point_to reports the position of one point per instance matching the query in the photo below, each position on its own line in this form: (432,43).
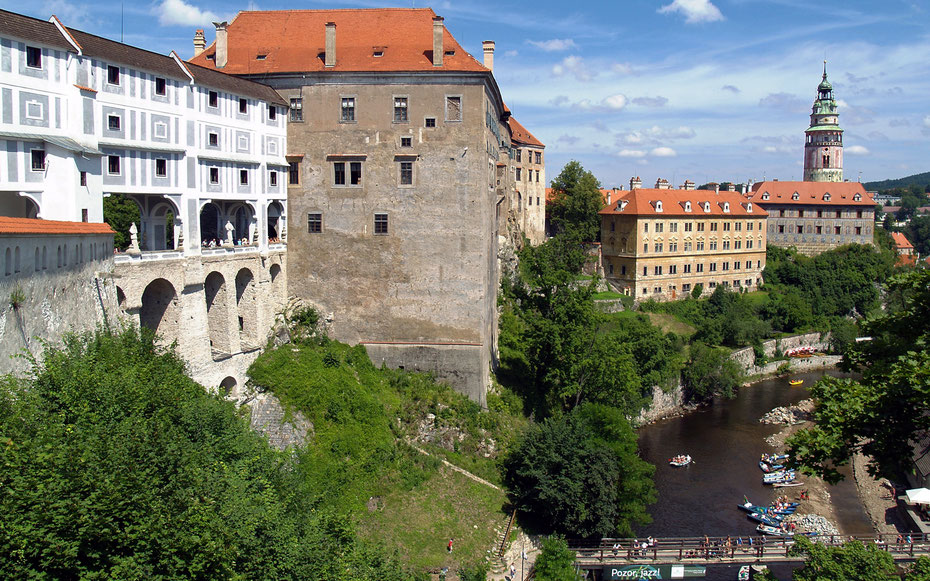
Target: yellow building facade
(662,243)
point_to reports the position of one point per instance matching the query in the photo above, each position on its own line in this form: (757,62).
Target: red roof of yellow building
(901,241)
(654,202)
(808,193)
(34,226)
(290,41)
(520,134)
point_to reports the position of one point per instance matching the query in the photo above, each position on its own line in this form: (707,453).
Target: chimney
(662,184)
(635,183)
(609,196)
(200,42)
(716,188)
(221,44)
(731,187)
(437,41)
(330,59)
(488,47)
(688,185)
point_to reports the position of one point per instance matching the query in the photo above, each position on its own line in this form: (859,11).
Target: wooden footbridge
(607,553)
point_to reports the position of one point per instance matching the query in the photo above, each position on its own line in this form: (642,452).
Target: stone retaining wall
(746,356)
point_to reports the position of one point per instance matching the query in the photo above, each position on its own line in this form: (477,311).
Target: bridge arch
(247,308)
(228,386)
(215,294)
(160,310)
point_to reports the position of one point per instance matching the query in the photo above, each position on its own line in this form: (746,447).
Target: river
(725,440)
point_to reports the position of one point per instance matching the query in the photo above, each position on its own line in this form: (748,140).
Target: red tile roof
(33,226)
(901,241)
(811,193)
(906,260)
(520,134)
(295,40)
(643,202)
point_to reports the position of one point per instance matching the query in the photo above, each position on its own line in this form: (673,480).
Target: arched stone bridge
(218,306)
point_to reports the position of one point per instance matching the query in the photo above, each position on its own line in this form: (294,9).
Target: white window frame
(110,69)
(44,159)
(119,123)
(165,162)
(119,163)
(39,51)
(34,105)
(160,130)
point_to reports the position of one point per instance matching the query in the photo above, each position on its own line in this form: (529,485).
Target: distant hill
(920,179)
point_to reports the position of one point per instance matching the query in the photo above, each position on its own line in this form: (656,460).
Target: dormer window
(749,207)
(658,205)
(726,206)
(261,57)
(687,206)
(795,196)
(622,205)
(765,195)
(857,197)
(826,197)
(378,53)
(450,53)
(707,207)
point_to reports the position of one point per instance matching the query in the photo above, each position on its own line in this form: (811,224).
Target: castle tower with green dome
(823,140)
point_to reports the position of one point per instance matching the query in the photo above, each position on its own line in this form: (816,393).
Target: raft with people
(680,460)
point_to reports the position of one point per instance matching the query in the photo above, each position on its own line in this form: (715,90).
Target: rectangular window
(213,139)
(713,267)
(645,247)
(381,224)
(739,226)
(113,122)
(646,227)
(713,245)
(517,176)
(688,247)
(272,112)
(453,108)
(293,173)
(406,173)
(800,229)
(749,226)
(85,217)
(656,270)
(687,269)
(859,214)
(645,272)
(537,176)
(700,268)
(34,57)
(161,86)
(400,109)
(726,266)
(658,247)
(347,114)
(781,213)
(161,130)
(243,177)
(726,245)
(738,244)
(339,173)
(673,247)
(38,159)
(273,179)
(214,175)
(673,269)
(660,227)
(749,244)
(520,155)
(820,213)
(700,227)
(713,226)
(858,230)
(726,226)
(406,142)
(673,227)
(314,223)
(781,228)
(213,99)
(538,157)
(819,229)
(243,105)
(112,75)
(430,122)
(354,173)
(113,165)
(800,213)
(623,269)
(161,168)
(297,109)
(84,178)
(688,226)
(836,230)
(700,246)
(839,214)
(736,265)
(685,288)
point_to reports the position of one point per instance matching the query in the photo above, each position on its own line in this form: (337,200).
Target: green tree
(919,570)
(578,199)
(710,372)
(852,561)
(120,213)
(889,407)
(697,291)
(579,474)
(556,562)
(918,232)
(115,464)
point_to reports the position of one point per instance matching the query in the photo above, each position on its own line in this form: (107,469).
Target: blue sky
(707,90)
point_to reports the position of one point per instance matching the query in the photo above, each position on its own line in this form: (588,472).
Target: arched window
(38,260)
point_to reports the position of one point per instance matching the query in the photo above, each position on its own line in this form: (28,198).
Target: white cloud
(927,120)
(621,68)
(573,65)
(694,10)
(511,53)
(663,152)
(553,45)
(180,13)
(631,153)
(657,101)
(71,14)
(856,150)
(615,102)
(655,135)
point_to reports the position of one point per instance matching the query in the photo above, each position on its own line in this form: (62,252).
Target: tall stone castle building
(400,155)
(823,140)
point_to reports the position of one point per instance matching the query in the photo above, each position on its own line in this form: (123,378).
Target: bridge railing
(733,547)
